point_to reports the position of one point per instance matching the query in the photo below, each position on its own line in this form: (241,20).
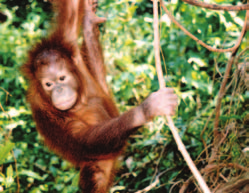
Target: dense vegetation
(152,155)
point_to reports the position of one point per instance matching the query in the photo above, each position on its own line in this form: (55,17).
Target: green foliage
(127,40)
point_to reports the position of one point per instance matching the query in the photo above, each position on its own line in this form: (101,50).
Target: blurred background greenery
(26,165)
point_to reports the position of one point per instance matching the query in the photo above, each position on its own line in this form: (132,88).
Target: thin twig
(17,175)
(171,125)
(242,52)
(185,184)
(202,133)
(217,7)
(151,186)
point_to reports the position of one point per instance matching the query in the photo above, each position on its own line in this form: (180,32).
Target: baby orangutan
(70,100)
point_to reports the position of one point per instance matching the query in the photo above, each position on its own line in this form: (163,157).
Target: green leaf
(225,118)
(36,190)
(10,178)
(200,62)
(32,174)
(5,150)
(75,181)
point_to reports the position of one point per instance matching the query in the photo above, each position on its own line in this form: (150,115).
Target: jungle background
(151,161)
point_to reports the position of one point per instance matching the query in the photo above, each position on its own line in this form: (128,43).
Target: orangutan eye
(62,78)
(48,84)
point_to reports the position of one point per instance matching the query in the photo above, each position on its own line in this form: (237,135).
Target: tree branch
(217,7)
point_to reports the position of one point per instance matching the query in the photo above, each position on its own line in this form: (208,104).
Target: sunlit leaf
(9,178)
(4,150)
(200,62)
(32,174)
